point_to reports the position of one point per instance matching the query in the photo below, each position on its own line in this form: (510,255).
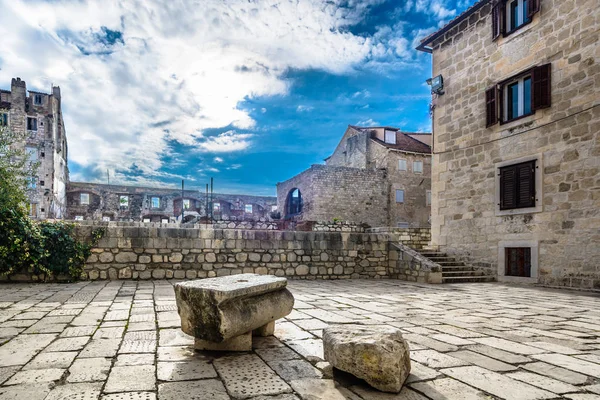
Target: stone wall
(348,194)
(145,251)
(562,230)
(338,226)
(262,224)
(409,265)
(416,238)
(105,203)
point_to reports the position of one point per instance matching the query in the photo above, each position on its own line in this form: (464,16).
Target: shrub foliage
(51,248)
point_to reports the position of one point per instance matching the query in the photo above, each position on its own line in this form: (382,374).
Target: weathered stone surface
(379,355)
(222,308)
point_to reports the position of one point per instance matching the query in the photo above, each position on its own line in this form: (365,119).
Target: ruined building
(93,201)
(39,116)
(379,176)
(516,122)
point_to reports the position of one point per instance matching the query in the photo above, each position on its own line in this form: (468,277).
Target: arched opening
(294,202)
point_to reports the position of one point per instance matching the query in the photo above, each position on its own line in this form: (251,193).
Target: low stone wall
(409,265)
(145,251)
(245,224)
(338,227)
(417,238)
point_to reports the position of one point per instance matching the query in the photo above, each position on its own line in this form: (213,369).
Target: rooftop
(403,140)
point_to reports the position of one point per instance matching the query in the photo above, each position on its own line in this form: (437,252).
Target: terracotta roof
(403,141)
(467,13)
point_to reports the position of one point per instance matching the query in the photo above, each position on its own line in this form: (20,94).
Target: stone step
(450,274)
(429,254)
(466,279)
(450,263)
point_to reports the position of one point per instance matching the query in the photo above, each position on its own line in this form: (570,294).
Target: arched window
(294,202)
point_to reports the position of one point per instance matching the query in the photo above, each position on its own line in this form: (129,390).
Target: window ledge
(519,211)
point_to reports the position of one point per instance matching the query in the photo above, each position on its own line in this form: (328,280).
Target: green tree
(21,242)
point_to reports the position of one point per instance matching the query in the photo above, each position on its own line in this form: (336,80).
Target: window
(401,165)
(156,202)
(186,204)
(217,207)
(399,196)
(124,201)
(519,96)
(146,220)
(517,186)
(418,166)
(32,154)
(32,208)
(509,16)
(517,261)
(3,119)
(248,208)
(428,198)
(84,199)
(32,182)
(78,218)
(106,219)
(31,124)
(37,99)
(273,208)
(294,202)
(390,137)
(42,183)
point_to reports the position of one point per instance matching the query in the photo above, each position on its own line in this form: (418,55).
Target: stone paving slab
(122,340)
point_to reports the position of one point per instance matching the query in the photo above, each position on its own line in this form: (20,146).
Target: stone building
(379,176)
(516,183)
(38,116)
(92,201)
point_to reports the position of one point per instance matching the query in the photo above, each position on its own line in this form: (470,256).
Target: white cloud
(263,110)
(226,142)
(302,108)
(365,94)
(218,160)
(179,68)
(367,123)
(235,166)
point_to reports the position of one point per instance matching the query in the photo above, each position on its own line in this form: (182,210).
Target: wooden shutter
(498,12)
(491,106)
(533,6)
(541,82)
(526,185)
(508,187)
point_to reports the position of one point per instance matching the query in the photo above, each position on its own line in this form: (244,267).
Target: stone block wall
(145,251)
(408,265)
(338,226)
(562,230)
(349,194)
(416,238)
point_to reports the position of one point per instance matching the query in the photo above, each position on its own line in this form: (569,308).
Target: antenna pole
(182,206)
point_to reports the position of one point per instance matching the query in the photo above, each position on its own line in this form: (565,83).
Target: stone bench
(223,313)
(378,355)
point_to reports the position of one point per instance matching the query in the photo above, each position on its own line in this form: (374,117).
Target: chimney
(18,95)
(56,92)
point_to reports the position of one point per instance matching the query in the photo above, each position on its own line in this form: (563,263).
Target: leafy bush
(21,242)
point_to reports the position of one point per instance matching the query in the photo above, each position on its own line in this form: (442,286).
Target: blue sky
(248,92)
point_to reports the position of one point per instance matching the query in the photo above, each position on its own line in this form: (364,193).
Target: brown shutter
(526,184)
(498,11)
(491,106)
(533,7)
(541,93)
(508,189)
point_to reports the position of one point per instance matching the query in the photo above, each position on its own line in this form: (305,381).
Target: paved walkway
(120,340)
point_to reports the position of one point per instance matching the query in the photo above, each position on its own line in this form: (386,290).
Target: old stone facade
(92,201)
(378,176)
(38,116)
(521,83)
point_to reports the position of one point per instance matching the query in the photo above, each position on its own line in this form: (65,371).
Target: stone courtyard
(121,340)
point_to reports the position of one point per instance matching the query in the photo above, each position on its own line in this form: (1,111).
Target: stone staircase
(453,270)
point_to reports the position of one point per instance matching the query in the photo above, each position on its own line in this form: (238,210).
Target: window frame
(216,207)
(81,202)
(427,197)
(4,119)
(189,204)
(501,13)
(539,195)
(518,180)
(403,196)
(152,202)
(420,170)
(533,245)
(123,204)
(400,161)
(525,18)
(385,136)
(246,208)
(497,99)
(35,99)
(35,124)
